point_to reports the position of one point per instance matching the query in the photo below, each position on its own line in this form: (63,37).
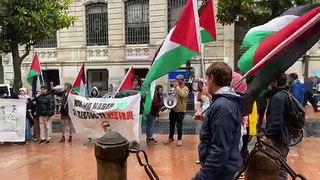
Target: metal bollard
(111,152)
(262,167)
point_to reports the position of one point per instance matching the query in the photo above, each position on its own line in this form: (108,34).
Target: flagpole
(283,43)
(202,61)
(41,74)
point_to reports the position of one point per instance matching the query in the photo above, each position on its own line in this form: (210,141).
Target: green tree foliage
(26,22)
(253,12)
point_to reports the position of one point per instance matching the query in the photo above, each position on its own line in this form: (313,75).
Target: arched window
(137,21)
(174,10)
(97,24)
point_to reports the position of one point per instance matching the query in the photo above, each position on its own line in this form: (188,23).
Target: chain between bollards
(144,162)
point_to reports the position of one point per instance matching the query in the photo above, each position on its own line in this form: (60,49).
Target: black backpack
(295,113)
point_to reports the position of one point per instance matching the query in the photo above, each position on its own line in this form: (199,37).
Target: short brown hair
(44,87)
(293,76)
(69,85)
(221,72)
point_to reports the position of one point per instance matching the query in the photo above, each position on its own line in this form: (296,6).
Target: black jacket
(220,136)
(276,126)
(34,107)
(14,95)
(29,108)
(45,105)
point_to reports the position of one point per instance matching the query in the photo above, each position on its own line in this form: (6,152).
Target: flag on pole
(38,83)
(181,44)
(127,82)
(262,39)
(208,29)
(269,57)
(150,93)
(35,70)
(79,85)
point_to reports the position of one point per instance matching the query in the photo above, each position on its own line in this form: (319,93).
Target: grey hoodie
(91,92)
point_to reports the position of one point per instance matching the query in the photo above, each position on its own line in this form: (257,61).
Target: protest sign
(12,120)
(87,115)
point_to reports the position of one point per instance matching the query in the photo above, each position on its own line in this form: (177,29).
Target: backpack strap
(289,98)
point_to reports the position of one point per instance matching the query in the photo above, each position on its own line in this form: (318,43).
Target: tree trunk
(274,6)
(17,61)
(1,71)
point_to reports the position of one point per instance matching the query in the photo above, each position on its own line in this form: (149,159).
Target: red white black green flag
(79,85)
(277,45)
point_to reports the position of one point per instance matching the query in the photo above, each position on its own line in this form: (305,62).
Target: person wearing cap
(177,113)
(45,109)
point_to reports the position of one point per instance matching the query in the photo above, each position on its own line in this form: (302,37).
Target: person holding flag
(181,44)
(35,79)
(277,131)
(64,111)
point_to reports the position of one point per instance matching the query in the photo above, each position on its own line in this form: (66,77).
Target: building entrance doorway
(51,76)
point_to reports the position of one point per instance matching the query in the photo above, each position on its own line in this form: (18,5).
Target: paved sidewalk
(61,161)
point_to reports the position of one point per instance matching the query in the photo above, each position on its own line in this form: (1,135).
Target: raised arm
(182,92)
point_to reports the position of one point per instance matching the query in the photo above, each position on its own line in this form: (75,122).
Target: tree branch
(28,48)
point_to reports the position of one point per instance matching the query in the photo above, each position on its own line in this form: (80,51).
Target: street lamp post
(190,103)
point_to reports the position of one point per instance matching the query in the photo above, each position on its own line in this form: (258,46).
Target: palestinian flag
(272,55)
(35,70)
(181,44)
(79,85)
(127,82)
(207,22)
(256,41)
(150,94)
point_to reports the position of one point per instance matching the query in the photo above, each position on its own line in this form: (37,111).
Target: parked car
(5,90)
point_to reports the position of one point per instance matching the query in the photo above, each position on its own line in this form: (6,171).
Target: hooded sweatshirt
(219,137)
(91,92)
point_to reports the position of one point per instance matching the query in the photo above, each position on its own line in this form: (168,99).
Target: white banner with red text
(12,120)
(91,115)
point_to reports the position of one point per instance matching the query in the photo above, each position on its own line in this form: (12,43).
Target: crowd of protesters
(49,101)
(40,111)
(224,132)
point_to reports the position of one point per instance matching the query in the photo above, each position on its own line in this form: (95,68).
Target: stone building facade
(112,35)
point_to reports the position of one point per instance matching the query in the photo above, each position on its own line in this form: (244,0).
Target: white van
(4,90)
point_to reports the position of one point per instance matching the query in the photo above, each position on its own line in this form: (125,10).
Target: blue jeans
(28,135)
(150,123)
